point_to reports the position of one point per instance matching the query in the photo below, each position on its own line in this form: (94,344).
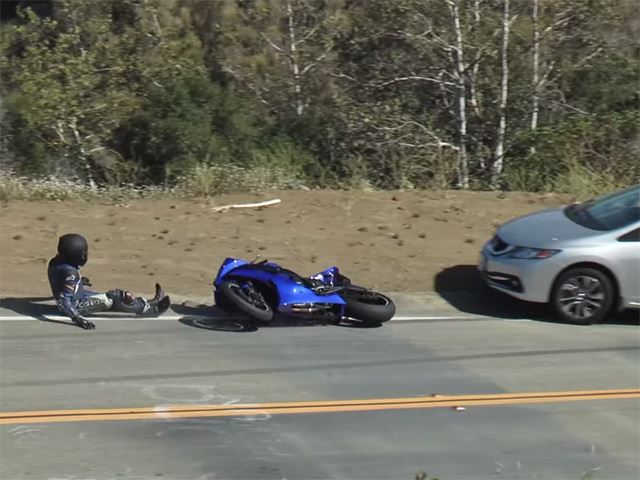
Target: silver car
(583,259)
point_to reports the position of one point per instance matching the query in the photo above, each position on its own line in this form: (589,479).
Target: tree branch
(311,65)
(411,78)
(251,87)
(577,65)
(274,45)
(308,35)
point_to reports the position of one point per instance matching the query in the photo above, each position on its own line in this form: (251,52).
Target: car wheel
(583,296)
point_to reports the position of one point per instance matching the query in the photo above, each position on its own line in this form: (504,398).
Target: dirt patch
(392,241)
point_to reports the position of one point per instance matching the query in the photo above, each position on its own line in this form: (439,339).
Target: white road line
(173,318)
(423,317)
(24,318)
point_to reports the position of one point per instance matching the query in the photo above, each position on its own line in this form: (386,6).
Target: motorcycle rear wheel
(368,307)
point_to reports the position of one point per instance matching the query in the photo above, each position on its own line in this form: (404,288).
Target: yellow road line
(325,406)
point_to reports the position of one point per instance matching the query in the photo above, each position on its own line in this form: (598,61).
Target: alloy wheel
(581,297)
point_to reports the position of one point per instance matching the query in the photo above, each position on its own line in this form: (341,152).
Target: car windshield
(613,211)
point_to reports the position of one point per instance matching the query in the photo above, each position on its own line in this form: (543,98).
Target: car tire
(583,296)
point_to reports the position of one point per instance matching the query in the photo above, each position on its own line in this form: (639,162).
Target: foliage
(583,183)
(58,93)
(357,94)
(277,168)
(593,154)
(14,187)
(201,182)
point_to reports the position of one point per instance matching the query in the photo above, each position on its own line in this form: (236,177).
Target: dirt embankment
(392,241)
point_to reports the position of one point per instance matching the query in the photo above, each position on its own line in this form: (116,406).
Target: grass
(13,187)
(203,182)
(578,181)
(210,180)
(583,183)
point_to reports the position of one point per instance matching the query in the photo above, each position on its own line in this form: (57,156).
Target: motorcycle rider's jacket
(66,285)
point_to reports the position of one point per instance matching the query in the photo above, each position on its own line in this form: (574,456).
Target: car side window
(632,236)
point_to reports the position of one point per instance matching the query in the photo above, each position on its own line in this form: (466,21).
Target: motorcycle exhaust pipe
(308,308)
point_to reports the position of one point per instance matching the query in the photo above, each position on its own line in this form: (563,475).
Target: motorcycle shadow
(246,325)
(209,317)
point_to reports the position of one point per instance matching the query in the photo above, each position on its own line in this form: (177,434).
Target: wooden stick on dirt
(247,205)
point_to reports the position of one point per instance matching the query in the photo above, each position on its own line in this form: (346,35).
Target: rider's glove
(83,323)
(86,282)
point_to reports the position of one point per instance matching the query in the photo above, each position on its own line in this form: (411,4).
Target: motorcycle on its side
(260,289)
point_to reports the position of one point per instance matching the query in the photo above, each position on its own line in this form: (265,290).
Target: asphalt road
(432,349)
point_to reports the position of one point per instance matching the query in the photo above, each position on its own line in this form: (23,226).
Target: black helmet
(73,249)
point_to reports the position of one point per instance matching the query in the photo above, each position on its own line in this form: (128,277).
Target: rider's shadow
(33,307)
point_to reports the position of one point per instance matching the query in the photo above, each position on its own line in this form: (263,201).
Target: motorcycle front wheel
(367,306)
(247,299)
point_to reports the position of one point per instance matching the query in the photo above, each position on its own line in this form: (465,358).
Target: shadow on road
(462,287)
(210,317)
(33,307)
(218,324)
(218,319)
(207,317)
(30,306)
(191,309)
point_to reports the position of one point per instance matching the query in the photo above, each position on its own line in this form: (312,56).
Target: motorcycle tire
(368,307)
(250,302)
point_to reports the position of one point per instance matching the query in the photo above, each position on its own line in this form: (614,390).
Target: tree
(496,168)
(73,80)
(63,89)
(428,57)
(402,94)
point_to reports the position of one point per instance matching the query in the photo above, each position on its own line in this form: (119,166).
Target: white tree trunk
(475,102)
(463,168)
(295,68)
(83,153)
(498,162)
(535,79)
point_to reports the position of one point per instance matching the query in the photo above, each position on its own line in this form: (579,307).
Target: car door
(628,260)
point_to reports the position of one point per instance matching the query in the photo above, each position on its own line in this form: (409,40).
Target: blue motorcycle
(262,289)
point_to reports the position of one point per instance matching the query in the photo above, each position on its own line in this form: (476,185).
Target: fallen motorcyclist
(74,301)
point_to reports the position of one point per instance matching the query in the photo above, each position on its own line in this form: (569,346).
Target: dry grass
(203,182)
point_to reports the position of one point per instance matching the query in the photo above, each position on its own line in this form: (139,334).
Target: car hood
(546,229)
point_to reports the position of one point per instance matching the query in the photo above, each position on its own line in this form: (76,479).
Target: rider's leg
(91,302)
(124,301)
(121,301)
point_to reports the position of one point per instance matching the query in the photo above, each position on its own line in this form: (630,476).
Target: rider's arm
(66,303)
(67,300)
(67,297)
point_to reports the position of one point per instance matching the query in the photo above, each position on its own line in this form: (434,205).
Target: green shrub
(583,183)
(276,168)
(584,155)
